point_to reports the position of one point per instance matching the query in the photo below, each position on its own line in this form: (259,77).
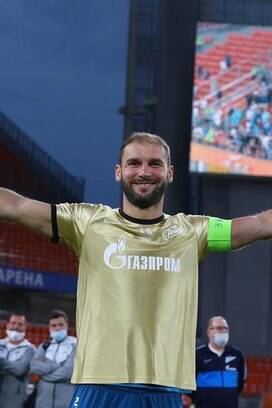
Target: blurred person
(214,88)
(186,401)
(205,74)
(228,60)
(223,65)
(16,353)
(54,362)
(199,71)
(220,368)
(138,268)
(267,146)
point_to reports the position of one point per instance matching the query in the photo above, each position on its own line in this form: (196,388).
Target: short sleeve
(72,222)
(200,224)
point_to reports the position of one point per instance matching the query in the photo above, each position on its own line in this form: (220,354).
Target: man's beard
(143,201)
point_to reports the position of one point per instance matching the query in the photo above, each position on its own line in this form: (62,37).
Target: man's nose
(144,169)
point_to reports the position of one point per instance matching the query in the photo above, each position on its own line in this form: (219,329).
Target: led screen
(232,101)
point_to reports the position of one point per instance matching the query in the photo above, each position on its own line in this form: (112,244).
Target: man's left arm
(242,374)
(246,230)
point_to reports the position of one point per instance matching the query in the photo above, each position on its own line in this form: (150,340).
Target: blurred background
(78,77)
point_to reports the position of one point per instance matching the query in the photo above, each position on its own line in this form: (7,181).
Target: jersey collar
(141,221)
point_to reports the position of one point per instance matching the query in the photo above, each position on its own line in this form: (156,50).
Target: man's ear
(170,173)
(117,172)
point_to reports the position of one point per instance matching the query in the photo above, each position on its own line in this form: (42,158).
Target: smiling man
(138,279)
(144,173)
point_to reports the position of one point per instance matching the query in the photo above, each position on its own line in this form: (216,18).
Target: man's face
(219,325)
(17,323)
(144,173)
(57,324)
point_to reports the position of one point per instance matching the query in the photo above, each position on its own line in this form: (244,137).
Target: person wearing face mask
(54,362)
(16,353)
(220,368)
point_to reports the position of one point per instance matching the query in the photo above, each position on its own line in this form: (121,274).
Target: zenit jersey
(136,296)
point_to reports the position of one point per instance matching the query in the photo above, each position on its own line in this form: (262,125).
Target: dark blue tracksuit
(219,379)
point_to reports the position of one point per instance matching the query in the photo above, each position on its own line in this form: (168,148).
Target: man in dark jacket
(220,368)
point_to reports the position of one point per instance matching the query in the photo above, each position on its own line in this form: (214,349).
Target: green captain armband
(219,235)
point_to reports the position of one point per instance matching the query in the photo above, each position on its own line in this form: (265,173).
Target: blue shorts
(110,396)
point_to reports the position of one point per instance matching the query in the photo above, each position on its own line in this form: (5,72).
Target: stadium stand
(21,248)
(25,255)
(27,168)
(246,51)
(259,375)
(233,106)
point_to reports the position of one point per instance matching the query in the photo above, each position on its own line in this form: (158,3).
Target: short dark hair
(57,313)
(16,314)
(144,137)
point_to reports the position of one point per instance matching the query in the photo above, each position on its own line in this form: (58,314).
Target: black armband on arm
(55,233)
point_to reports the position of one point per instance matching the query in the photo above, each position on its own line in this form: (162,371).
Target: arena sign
(36,280)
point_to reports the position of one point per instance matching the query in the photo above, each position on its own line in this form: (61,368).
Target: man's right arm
(22,210)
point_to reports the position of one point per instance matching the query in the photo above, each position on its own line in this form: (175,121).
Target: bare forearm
(31,213)
(265,219)
(9,202)
(247,230)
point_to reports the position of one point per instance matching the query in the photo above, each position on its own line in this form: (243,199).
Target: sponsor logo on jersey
(228,359)
(228,367)
(147,231)
(207,360)
(171,232)
(115,257)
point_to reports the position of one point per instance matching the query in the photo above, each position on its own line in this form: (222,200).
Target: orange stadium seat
(245,52)
(23,248)
(259,379)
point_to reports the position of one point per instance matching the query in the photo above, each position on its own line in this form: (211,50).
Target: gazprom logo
(116,258)
(113,257)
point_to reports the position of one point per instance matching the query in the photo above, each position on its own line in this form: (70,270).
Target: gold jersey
(137,295)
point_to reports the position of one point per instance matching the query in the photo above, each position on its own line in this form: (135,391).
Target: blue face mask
(58,335)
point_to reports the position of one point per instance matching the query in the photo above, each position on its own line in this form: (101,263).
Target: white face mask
(58,335)
(14,335)
(221,339)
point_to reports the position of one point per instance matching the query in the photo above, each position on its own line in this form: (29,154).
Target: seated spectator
(16,353)
(228,60)
(267,147)
(199,71)
(223,65)
(54,361)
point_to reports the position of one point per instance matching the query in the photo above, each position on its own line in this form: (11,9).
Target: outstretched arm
(246,230)
(31,213)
